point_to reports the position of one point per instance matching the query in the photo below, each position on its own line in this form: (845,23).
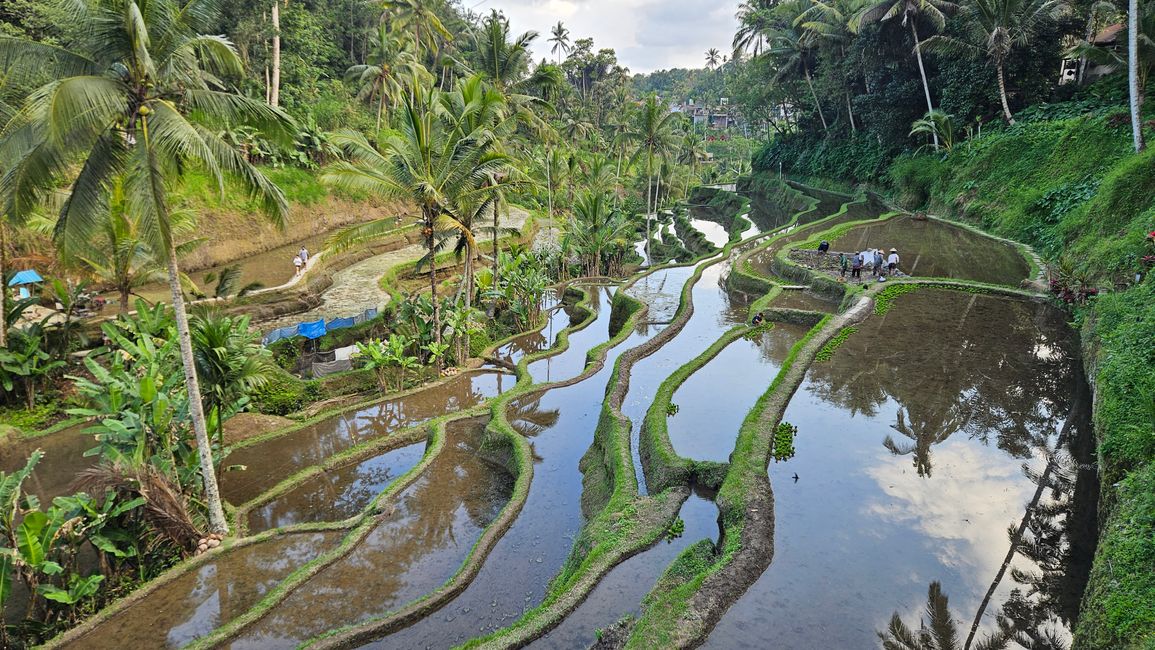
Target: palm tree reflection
(931,429)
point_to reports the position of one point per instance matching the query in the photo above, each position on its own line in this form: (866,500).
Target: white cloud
(646,34)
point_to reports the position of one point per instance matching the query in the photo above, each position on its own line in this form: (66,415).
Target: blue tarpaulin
(314,330)
(25,277)
(338,323)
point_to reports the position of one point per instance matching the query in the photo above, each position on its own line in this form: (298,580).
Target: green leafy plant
(827,351)
(784,441)
(676,529)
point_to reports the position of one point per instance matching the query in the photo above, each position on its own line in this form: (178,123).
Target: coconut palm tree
(994,28)
(120,255)
(230,363)
(1134,91)
(931,12)
(379,78)
(432,161)
(793,48)
(133,97)
(713,58)
(826,22)
(753,23)
(559,36)
(595,230)
(654,135)
(420,16)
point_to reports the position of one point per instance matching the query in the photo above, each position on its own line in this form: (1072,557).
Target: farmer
(878,262)
(823,247)
(856,267)
(758,318)
(892,261)
(843,263)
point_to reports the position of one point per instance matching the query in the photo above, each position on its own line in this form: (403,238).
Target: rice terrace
(428,324)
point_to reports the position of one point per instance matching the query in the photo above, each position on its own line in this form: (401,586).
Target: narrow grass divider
(502,433)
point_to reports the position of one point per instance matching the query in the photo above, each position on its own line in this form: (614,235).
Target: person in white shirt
(297,263)
(892,261)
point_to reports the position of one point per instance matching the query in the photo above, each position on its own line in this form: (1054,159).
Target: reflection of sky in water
(861,535)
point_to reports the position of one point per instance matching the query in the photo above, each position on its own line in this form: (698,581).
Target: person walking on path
(892,261)
(843,264)
(856,267)
(298,264)
(304,255)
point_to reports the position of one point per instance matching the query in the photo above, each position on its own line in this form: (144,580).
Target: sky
(647,35)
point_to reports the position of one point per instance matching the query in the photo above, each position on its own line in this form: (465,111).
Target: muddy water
(63,460)
(199,601)
(763,261)
(559,423)
(270,269)
(940,250)
(338,494)
(806,300)
(910,457)
(419,545)
(272,461)
(714,401)
(621,592)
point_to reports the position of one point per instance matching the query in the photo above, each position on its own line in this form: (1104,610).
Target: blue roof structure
(25,277)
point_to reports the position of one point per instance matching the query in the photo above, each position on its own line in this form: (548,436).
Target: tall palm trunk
(922,73)
(125,292)
(549,189)
(813,94)
(275,84)
(1003,93)
(850,112)
(380,106)
(1136,95)
(649,196)
(496,218)
(217,520)
(431,245)
(3,284)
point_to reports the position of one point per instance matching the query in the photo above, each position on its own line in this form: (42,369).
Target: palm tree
(595,229)
(502,61)
(753,23)
(995,27)
(429,160)
(713,58)
(793,48)
(230,363)
(559,36)
(379,78)
(653,134)
(131,99)
(1134,91)
(422,18)
(120,255)
(826,22)
(933,12)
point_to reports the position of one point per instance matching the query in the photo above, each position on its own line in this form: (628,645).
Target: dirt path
(357,287)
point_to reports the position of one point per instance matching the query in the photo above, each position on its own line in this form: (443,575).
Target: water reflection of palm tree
(941,633)
(925,432)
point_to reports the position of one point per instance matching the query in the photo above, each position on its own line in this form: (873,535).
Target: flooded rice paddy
(944,447)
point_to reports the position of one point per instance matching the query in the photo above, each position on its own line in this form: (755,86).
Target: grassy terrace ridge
(613,536)
(357,526)
(699,586)
(501,429)
(627,524)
